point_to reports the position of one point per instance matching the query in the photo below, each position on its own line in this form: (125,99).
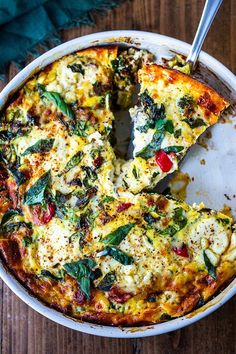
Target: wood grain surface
(24,331)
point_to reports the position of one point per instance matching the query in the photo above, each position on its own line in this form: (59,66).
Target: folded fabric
(25,24)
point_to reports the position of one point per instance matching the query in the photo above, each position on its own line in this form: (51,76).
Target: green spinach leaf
(179,222)
(83,272)
(9,214)
(185,102)
(117,254)
(195,123)
(169,127)
(210,267)
(14,226)
(45,273)
(27,240)
(135,172)
(76,68)
(117,236)
(74,161)
(177,133)
(155,145)
(57,100)
(19,176)
(173,148)
(107,282)
(108,199)
(8,224)
(36,193)
(80,128)
(42,145)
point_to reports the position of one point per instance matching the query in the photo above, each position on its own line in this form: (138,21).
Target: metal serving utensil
(209,12)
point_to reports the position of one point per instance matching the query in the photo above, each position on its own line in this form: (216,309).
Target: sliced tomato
(181,251)
(98,162)
(41,216)
(123,207)
(163,161)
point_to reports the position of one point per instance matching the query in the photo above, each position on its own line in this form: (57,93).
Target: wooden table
(24,330)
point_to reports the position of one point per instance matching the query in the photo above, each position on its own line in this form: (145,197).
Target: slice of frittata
(173,111)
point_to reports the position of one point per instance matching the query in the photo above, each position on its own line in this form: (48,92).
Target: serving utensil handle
(210,9)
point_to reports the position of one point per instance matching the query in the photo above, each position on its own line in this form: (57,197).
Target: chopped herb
(42,145)
(9,214)
(83,272)
(14,226)
(107,282)
(27,241)
(210,267)
(195,123)
(76,68)
(149,150)
(83,199)
(61,207)
(185,102)
(108,199)
(224,221)
(173,148)
(45,273)
(146,100)
(180,221)
(177,133)
(135,172)
(57,100)
(74,161)
(155,174)
(78,236)
(36,193)
(179,218)
(9,225)
(117,254)
(155,114)
(91,176)
(149,240)
(117,236)
(169,127)
(80,128)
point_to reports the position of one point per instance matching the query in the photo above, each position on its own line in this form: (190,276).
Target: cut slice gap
(123,129)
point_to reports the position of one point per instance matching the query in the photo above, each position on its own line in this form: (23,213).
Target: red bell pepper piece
(163,161)
(123,207)
(181,251)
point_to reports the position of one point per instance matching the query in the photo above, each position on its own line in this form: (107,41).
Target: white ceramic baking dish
(220,77)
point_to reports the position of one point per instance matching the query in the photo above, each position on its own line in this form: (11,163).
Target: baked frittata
(76,227)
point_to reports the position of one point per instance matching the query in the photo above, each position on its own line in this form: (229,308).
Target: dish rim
(112,37)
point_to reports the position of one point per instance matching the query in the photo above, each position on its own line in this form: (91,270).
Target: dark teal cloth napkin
(24,24)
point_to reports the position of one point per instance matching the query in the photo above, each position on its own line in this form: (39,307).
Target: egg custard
(77,227)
